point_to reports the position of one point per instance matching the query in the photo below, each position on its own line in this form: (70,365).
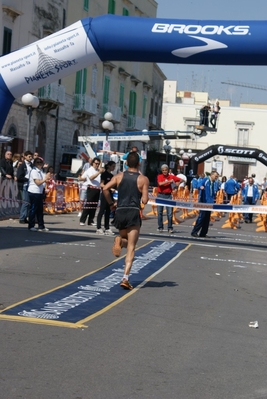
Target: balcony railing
(116,111)
(85,104)
(52,92)
(136,122)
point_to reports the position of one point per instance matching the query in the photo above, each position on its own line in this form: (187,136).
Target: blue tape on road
(90,294)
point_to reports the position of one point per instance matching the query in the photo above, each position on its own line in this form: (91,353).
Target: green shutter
(121,99)
(7,39)
(125,12)
(144,107)
(132,105)
(111,6)
(84,81)
(106,94)
(86,5)
(78,82)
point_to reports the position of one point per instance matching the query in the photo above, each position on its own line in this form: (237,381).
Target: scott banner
(118,38)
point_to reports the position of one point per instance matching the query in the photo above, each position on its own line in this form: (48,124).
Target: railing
(84,103)
(135,122)
(52,92)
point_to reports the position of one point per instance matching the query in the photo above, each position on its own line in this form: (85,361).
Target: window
(125,12)
(80,84)
(7,39)
(152,106)
(86,5)
(242,137)
(121,99)
(80,88)
(94,81)
(106,94)
(144,107)
(132,110)
(132,105)
(111,6)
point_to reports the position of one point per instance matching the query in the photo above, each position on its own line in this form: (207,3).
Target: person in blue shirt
(124,157)
(250,194)
(194,183)
(231,187)
(207,195)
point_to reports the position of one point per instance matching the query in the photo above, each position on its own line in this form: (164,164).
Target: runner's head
(133,160)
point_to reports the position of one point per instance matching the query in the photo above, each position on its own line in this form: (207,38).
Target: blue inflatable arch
(117,38)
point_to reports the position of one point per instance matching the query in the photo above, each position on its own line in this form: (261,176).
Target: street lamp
(107,124)
(31,102)
(167,148)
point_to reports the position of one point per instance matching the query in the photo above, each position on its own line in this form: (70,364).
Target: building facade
(75,106)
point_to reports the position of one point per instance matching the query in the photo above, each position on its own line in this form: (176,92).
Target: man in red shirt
(166,183)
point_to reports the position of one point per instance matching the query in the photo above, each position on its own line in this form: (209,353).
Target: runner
(132,188)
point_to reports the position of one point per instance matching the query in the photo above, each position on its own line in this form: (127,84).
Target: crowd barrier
(64,197)
(185,204)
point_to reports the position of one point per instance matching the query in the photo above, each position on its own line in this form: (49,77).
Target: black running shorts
(127,217)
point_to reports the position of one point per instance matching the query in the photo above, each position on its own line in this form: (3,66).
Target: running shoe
(100,231)
(126,284)
(109,232)
(116,249)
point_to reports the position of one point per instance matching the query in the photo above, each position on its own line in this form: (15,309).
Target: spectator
(166,183)
(204,115)
(124,157)
(37,181)
(224,179)
(6,166)
(92,177)
(214,114)
(250,195)
(194,183)
(231,187)
(115,158)
(182,177)
(23,173)
(263,186)
(104,206)
(16,159)
(207,195)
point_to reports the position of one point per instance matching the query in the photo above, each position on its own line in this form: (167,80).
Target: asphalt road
(185,334)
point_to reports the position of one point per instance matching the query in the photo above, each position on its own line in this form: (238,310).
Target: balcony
(116,112)
(51,96)
(84,104)
(136,123)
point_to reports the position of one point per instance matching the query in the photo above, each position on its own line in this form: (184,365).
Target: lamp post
(185,156)
(167,148)
(107,124)
(31,102)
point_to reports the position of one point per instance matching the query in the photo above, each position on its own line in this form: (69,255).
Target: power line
(248,85)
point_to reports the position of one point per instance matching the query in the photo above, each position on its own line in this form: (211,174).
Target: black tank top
(128,194)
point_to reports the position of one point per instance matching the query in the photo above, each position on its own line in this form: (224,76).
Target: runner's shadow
(159,284)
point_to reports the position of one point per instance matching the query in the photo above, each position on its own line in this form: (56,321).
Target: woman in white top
(37,181)
(92,177)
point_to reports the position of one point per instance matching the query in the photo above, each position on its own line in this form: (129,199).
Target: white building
(242,126)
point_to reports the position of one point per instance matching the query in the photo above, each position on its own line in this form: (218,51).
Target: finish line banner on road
(209,207)
(79,301)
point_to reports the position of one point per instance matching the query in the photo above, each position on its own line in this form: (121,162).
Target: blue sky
(209,77)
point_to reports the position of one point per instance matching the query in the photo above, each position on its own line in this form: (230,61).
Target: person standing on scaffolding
(214,114)
(204,115)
